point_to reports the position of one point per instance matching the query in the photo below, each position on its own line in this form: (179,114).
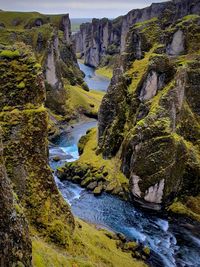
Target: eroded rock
(177,45)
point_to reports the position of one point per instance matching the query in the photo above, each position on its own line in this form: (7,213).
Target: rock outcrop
(50,39)
(24,122)
(15,243)
(150,115)
(101,39)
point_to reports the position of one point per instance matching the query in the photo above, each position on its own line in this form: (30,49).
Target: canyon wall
(49,36)
(15,243)
(99,41)
(150,116)
(27,185)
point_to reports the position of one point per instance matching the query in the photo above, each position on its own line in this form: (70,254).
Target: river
(93,80)
(172,243)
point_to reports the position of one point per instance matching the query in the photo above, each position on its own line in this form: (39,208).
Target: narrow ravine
(172,243)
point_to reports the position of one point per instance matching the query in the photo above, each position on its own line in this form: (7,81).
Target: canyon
(143,153)
(102,39)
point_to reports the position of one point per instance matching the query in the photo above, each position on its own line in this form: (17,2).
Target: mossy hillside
(141,39)
(20,20)
(38,37)
(26,163)
(105,71)
(90,247)
(80,101)
(138,70)
(94,172)
(150,29)
(135,61)
(25,130)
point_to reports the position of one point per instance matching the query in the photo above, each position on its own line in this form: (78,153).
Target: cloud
(77,8)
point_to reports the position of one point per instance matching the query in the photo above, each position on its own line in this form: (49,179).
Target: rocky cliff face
(101,39)
(24,123)
(96,40)
(15,243)
(150,115)
(50,39)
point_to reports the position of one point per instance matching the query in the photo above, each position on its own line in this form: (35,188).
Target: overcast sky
(77,8)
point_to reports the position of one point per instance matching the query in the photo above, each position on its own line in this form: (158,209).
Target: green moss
(37,66)
(147,250)
(10,54)
(24,121)
(187,19)
(138,69)
(91,167)
(90,247)
(20,264)
(180,208)
(21,85)
(59,233)
(105,71)
(81,101)
(145,23)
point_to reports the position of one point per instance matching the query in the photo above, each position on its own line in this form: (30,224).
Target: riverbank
(105,71)
(91,171)
(90,247)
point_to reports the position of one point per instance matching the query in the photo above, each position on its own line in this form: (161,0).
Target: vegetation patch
(94,172)
(80,101)
(189,209)
(89,247)
(105,71)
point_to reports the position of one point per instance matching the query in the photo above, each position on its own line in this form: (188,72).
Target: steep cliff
(50,38)
(100,40)
(150,115)
(15,243)
(24,122)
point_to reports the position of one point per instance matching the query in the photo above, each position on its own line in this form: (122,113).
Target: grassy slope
(106,72)
(91,248)
(89,157)
(23,18)
(79,99)
(7,18)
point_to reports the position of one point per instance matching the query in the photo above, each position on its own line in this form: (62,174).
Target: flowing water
(172,243)
(93,80)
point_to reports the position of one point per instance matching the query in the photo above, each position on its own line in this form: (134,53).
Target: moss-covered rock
(159,122)
(24,122)
(15,243)
(94,173)
(50,40)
